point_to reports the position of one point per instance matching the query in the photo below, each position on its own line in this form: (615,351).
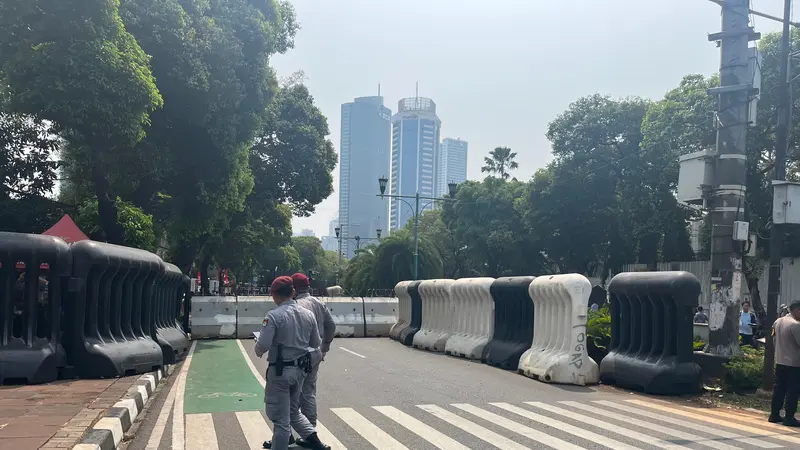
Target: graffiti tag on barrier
(576,359)
(227,394)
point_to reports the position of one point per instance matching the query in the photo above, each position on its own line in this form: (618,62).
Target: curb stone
(108,431)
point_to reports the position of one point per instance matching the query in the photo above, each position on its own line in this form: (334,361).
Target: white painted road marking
(200,432)
(565,427)
(250,364)
(607,426)
(368,430)
(352,352)
(510,425)
(178,425)
(419,428)
(473,428)
(254,427)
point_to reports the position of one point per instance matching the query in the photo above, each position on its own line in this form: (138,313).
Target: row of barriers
(538,327)
(239,317)
(93,309)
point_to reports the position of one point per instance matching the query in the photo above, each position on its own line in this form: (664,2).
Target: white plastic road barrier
(213,317)
(380,315)
(348,314)
(558,352)
(473,317)
(333,291)
(437,315)
(251,312)
(403,310)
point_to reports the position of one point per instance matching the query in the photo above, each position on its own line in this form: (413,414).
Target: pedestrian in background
(786,333)
(327,328)
(289,332)
(747,322)
(700,316)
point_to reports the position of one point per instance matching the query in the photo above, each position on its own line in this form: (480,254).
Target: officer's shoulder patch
(265,322)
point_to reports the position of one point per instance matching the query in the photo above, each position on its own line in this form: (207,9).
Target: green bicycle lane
(219,380)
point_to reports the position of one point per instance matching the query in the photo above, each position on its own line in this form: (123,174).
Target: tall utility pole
(730,175)
(776,236)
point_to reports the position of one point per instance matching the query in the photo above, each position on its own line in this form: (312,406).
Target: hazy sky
(501,70)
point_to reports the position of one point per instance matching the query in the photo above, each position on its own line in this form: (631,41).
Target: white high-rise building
(452,164)
(415,138)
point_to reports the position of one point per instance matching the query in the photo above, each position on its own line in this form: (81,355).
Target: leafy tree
(455,261)
(78,67)
(359,276)
(489,229)
(500,162)
(139,231)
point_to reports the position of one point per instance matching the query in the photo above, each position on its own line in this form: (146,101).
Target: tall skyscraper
(364,157)
(415,138)
(452,164)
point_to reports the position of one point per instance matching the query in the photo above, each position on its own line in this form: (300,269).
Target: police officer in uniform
(290,335)
(327,328)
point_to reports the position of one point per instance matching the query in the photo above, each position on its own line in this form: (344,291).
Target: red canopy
(66,230)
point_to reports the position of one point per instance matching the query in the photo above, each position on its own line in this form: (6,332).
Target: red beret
(300,281)
(281,282)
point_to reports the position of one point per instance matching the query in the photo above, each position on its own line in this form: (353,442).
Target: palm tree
(500,162)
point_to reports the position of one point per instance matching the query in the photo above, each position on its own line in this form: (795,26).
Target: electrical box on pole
(695,177)
(786,202)
(741,231)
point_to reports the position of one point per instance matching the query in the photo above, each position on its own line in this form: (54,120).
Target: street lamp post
(358,240)
(451,187)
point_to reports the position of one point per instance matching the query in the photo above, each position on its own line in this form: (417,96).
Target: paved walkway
(54,415)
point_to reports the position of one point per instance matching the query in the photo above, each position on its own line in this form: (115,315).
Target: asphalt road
(376,393)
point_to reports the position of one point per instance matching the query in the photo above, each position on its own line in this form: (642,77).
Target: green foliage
(698,345)
(138,226)
(744,373)
(500,162)
(598,333)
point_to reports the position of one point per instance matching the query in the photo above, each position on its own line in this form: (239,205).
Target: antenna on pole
(416,96)
(379,89)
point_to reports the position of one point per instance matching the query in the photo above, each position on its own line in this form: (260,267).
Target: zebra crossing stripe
(200,432)
(653,426)
(565,427)
(368,430)
(473,428)
(725,423)
(730,415)
(518,428)
(421,429)
(690,425)
(254,427)
(607,426)
(328,438)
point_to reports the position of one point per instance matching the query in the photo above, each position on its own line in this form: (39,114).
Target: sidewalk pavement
(55,415)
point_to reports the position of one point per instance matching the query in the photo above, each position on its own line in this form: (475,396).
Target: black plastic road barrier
(513,322)
(34,273)
(407,335)
(651,333)
(170,289)
(111,314)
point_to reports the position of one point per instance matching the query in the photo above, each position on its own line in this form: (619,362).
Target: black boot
(790,421)
(268,444)
(775,418)
(314,443)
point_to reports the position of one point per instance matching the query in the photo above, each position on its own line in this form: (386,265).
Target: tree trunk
(204,265)
(106,202)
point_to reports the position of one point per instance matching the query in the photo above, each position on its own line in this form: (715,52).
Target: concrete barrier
(250,315)
(403,310)
(213,317)
(473,317)
(437,315)
(348,314)
(558,351)
(380,314)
